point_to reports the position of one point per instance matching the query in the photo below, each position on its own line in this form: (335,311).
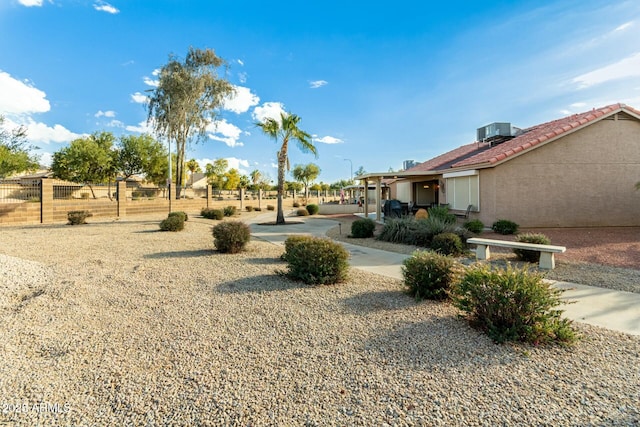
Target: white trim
(460,174)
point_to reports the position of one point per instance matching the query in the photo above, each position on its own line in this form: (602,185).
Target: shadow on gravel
(264,261)
(371,302)
(440,342)
(180,254)
(259,284)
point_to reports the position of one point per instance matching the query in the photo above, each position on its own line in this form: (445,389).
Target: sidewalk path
(615,310)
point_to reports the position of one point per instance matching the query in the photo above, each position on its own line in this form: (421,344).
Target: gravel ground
(119,324)
(604,257)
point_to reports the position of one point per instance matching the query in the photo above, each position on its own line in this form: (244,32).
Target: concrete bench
(547,262)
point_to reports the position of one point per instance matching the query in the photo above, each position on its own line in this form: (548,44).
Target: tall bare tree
(187,100)
(286,129)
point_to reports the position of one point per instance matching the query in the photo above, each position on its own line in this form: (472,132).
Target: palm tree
(193,167)
(286,129)
(255,177)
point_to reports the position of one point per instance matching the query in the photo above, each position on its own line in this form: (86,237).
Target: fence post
(121,198)
(46,201)
(209,195)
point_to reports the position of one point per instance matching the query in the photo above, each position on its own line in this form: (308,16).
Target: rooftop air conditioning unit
(496,132)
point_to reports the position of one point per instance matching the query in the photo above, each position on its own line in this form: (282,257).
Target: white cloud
(578,105)
(624,26)
(329,140)
(139,98)
(242,77)
(156,72)
(241,101)
(315,84)
(150,82)
(226,132)
(41,133)
(270,110)
(142,127)
(102,6)
(627,67)
(240,62)
(108,113)
(20,97)
(115,124)
(45,158)
(30,3)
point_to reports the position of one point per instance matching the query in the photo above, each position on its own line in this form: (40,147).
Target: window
(463,191)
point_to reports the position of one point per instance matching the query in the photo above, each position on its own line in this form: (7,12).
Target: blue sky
(376,83)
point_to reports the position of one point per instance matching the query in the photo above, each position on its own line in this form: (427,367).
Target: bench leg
(482,252)
(547,261)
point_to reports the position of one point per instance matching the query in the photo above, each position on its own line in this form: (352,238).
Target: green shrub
(512,304)
(78,217)
(210,213)
(475,226)
(271,208)
(231,236)
(303,212)
(249,208)
(362,228)
(257,209)
(410,231)
(316,261)
(396,230)
(172,223)
(229,211)
(442,213)
(180,214)
(530,256)
(429,275)
(296,204)
(504,226)
(313,208)
(447,244)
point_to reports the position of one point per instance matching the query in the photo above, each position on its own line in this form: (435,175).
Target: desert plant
(527,255)
(302,212)
(231,236)
(181,214)
(172,223)
(421,214)
(229,211)
(504,226)
(296,204)
(362,228)
(475,226)
(211,213)
(271,208)
(512,304)
(257,209)
(78,217)
(249,208)
(447,244)
(316,261)
(429,275)
(313,208)
(396,230)
(442,212)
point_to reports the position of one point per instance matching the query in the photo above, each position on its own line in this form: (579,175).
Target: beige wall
(584,179)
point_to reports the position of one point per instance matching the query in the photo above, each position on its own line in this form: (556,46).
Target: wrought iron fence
(19,192)
(68,190)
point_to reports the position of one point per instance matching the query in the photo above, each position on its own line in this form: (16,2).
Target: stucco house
(577,171)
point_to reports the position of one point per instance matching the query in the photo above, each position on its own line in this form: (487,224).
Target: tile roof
(447,159)
(536,135)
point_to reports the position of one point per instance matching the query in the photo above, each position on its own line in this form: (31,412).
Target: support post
(46,201)
(121,198)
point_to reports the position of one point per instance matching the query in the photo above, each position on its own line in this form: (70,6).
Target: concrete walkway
(615,310)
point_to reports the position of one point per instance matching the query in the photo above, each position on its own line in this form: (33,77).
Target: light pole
(351,167)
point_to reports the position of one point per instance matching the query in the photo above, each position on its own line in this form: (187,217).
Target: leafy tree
(141,154)
(244,181)
(193,167)
(306,174)
(286,129)
(231,179)
(215,173)
(187,100)
(255,177)
(89,160)
(338,185)
(360,171)
(15,152)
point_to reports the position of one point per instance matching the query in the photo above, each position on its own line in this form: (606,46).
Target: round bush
(475,226)
(447,244)
(316,261)
(229,211)
(180,214)
(362,228)
(512,304)
(296,204)
(504,226)
(421,214)
(249,208)
(303,212)
(429,275)
(313,209)
(231,236)
(531,256)
(257,209)
(210,213)
(172,223)
(271,208)
(78,217)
